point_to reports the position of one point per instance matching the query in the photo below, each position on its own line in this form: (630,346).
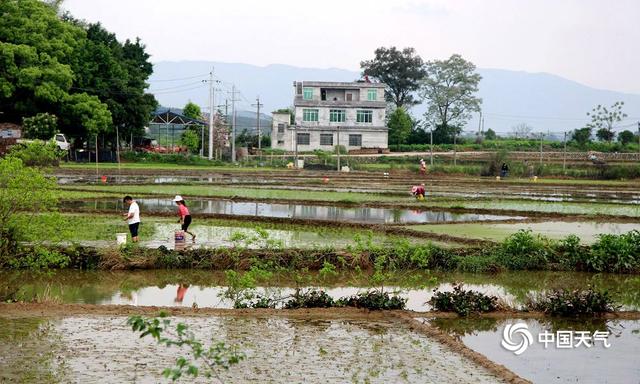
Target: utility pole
(638,138)
(564,155)
(480,124)
(211,112)
(233,126)
(258,105)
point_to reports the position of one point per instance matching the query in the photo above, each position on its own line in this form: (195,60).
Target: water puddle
(366,215)
(620,363)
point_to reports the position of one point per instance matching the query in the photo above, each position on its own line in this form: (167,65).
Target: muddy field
(70,326)
(102,348)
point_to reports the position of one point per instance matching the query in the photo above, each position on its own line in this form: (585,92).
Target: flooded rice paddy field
(100,231)
(400,185)
(587,231)
(365,215)
(186,288)
(103,349)
(369,348)
(620,363)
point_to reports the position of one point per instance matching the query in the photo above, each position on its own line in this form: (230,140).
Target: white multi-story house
(328,114)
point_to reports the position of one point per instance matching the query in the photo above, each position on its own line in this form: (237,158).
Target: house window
(280,142)
(308,94)
(355,140)
(364,116)
(372,94)
(309,115)
(280,127)
(303,138)
(326,139)
(337,115)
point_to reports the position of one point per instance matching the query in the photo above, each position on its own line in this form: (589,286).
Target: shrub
(373,300)
(477,263)
(24,193)
(570,254)
(42,126)
(463,302)
(310,299)
(40,258)
(523,250)
(565,302)
(37,153)
(615,253)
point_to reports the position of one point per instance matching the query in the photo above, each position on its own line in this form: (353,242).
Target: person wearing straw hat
(185,217)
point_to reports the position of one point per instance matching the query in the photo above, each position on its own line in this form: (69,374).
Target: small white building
(328,114)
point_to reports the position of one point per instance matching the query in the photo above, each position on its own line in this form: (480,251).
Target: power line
(175,87)
(179,79)
(180,90)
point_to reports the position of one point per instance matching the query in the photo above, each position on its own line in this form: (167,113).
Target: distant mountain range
(546,102)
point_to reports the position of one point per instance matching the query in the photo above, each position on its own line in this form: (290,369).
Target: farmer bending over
(132,217)
(418,191)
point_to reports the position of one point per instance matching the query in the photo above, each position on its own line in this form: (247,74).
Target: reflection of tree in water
(30,351)
(466,326)
(624,289)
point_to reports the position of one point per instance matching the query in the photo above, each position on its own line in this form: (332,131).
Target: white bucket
(121,238)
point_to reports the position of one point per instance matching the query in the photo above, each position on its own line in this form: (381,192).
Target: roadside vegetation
(520,251)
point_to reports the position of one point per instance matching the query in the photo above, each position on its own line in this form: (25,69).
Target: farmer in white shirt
(132,217)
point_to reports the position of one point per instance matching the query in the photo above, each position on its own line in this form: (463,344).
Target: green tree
(401,71)
(86,115)
(46,58)
(449,89)
(37,153)
(191,140)
(400,125)
(582,136)
(24,193)
(604,134)
(42,126)
(625,137)
(192,111)
(36,48)
(116,73)
(603,119)
(490,134)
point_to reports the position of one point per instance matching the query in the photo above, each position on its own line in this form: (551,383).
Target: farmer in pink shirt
(185,217)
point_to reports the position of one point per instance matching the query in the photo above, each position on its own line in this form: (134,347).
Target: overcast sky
(596,43)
